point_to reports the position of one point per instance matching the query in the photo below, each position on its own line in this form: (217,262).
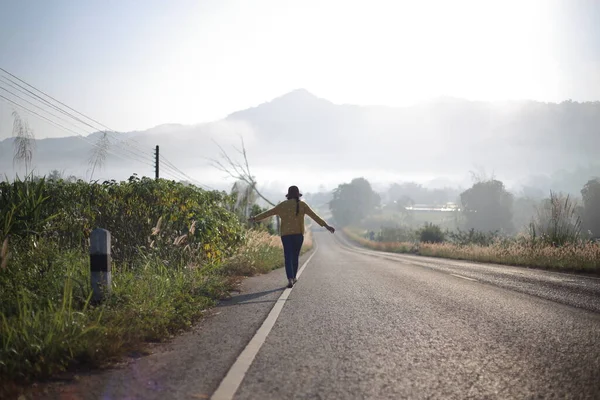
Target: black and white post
(100,264)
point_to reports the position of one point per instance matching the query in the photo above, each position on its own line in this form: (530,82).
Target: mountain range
(311,141)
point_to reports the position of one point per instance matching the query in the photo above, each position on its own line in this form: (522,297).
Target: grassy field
(582,257)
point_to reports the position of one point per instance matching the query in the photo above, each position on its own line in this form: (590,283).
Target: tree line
(487,206)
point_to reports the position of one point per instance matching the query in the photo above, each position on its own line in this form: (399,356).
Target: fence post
(100,264)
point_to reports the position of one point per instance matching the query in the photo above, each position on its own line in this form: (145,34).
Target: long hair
(294,193)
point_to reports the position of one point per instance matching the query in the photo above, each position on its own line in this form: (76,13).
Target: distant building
(448,207)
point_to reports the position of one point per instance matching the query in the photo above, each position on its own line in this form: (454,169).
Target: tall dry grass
(260,253)
(581,256)
(391,247)
(308,242)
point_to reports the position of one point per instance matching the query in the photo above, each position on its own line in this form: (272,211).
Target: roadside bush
(431,233)
(473,237)
(169,243)
(131,210)
(398,234)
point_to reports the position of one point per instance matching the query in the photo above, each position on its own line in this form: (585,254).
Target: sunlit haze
(135,65)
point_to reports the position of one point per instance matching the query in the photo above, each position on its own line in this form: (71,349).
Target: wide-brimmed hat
(293,192)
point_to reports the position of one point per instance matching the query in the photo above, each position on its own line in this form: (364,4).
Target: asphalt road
(358,326)
(369,325)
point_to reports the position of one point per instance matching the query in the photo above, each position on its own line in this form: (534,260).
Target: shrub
(169,242)
(431,233)
(398,234)
(473,237)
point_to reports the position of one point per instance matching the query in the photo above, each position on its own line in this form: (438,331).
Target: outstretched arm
(266,214)
(317,219)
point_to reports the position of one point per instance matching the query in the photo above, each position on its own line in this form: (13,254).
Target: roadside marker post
(100,264)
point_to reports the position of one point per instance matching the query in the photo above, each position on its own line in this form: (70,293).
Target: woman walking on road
(292,212)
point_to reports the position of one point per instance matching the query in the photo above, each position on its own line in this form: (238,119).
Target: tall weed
(557,222)
(260,253)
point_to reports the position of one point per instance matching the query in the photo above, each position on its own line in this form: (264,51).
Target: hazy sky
(136,64)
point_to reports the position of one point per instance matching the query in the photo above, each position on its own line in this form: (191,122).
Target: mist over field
(302,139)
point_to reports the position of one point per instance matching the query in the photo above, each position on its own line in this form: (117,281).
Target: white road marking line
(464,277)
(230,384)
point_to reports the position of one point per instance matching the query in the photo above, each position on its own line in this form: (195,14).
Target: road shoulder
(192,364)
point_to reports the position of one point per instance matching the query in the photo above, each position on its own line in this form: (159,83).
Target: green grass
(146,304)
(46,334)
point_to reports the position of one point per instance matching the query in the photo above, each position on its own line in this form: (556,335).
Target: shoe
(295,280)
(290,283)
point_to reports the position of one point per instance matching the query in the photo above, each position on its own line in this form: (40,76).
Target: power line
(83,138)
(63,104)
(135,156)
(36,106)
(60,126)
(171,168)
(56,124)
(29,93)
(167,162)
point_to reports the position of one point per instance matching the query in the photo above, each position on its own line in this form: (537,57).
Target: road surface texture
(367,325)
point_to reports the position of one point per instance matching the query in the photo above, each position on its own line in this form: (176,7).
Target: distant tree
(319,199)
(353,201)
(487,206)
(403,202)
(54,175)
(524,209)
(400,192)
(591,206)
(401,206)
(532,192)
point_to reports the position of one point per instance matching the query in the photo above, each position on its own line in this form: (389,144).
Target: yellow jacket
(291,224)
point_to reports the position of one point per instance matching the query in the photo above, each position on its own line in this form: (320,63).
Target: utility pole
(157,163)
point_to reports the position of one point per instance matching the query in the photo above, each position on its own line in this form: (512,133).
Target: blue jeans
(291,251)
